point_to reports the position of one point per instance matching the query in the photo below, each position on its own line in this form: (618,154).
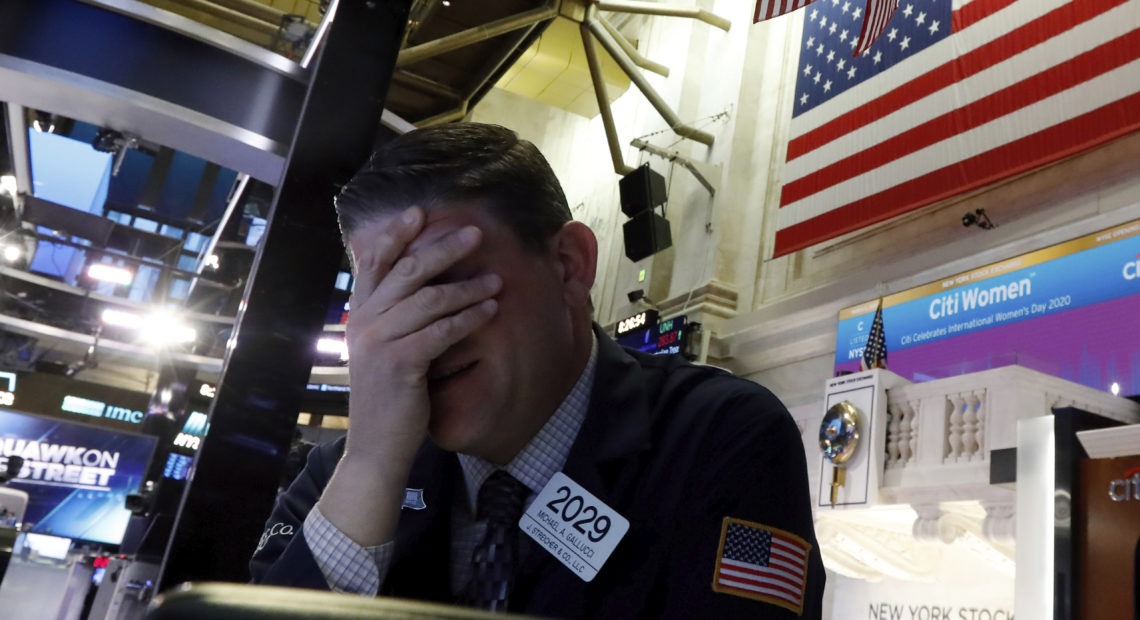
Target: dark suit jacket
(672,446)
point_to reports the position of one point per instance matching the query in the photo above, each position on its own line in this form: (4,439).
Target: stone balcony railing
(940,439)
(940,434)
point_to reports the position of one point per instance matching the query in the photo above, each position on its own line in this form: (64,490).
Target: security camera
(640,296)
(978,218)
(141,503)
(108,141)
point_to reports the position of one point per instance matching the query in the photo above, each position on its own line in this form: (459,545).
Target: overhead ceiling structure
(456,50)
(253,56)
(453,50)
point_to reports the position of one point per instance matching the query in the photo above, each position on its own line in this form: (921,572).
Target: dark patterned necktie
(495,559)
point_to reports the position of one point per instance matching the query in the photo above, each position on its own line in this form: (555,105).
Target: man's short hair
(459,162)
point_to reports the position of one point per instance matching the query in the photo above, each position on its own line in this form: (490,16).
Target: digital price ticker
(666,337)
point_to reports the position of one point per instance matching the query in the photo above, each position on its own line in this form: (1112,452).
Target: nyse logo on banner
(1126,488)
(186,440)
(1131,269)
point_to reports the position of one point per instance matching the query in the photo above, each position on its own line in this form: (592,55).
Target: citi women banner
(1067,310)
(77,476)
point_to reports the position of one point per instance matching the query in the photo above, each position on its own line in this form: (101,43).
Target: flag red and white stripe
(876,17)
(1016,86)
(767,9)
(762,563)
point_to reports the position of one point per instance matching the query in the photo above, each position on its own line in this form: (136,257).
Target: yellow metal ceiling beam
(655,100)
(631,51)
(620,166)
(653,8)
(435,47)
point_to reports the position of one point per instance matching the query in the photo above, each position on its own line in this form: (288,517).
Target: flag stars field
(955,95)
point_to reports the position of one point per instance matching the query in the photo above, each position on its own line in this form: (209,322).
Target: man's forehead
(443,220)
(440,219)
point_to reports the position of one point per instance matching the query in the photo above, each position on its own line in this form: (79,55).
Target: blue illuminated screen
(177,466)
(77,476)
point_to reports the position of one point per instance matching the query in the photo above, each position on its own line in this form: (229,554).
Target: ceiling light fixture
(120,318)
(12,253)
(333,346)
(109,273)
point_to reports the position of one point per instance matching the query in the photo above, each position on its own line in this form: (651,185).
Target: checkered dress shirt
(349,567)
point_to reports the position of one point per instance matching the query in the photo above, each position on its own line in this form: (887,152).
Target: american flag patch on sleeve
(762,563)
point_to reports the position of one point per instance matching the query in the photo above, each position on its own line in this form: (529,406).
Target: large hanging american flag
(955,95)
(767,9)
(878,15)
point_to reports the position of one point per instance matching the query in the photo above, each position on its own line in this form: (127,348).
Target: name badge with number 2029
(575,527)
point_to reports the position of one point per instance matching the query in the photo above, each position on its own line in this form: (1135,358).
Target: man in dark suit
(484,400)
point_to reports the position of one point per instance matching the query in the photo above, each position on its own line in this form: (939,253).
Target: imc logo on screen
(99,409)
(1131,269)
(1126,488)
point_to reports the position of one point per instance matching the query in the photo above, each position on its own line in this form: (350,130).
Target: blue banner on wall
(1071,288)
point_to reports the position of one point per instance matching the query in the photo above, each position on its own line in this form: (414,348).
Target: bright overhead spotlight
(120,318)
(108,273)
(164,329)
(12,253)
(8,185)
(333,346)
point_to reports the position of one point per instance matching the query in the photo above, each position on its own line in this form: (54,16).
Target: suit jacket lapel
(616,428)
(421,556)
(617,424)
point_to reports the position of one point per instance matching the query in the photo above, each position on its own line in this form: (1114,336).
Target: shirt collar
(546,452)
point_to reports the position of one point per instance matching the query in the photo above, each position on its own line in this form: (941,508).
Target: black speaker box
(645,235)
(641,190)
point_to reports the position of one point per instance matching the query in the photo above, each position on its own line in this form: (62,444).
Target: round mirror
(839,432)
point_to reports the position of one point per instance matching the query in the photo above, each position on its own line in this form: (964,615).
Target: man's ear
(576,249)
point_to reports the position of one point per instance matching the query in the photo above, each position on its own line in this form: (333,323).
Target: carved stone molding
(934,525)
(715,299)
(1000,523)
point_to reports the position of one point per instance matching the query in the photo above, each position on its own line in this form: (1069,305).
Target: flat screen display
(77,476)
(663,338)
